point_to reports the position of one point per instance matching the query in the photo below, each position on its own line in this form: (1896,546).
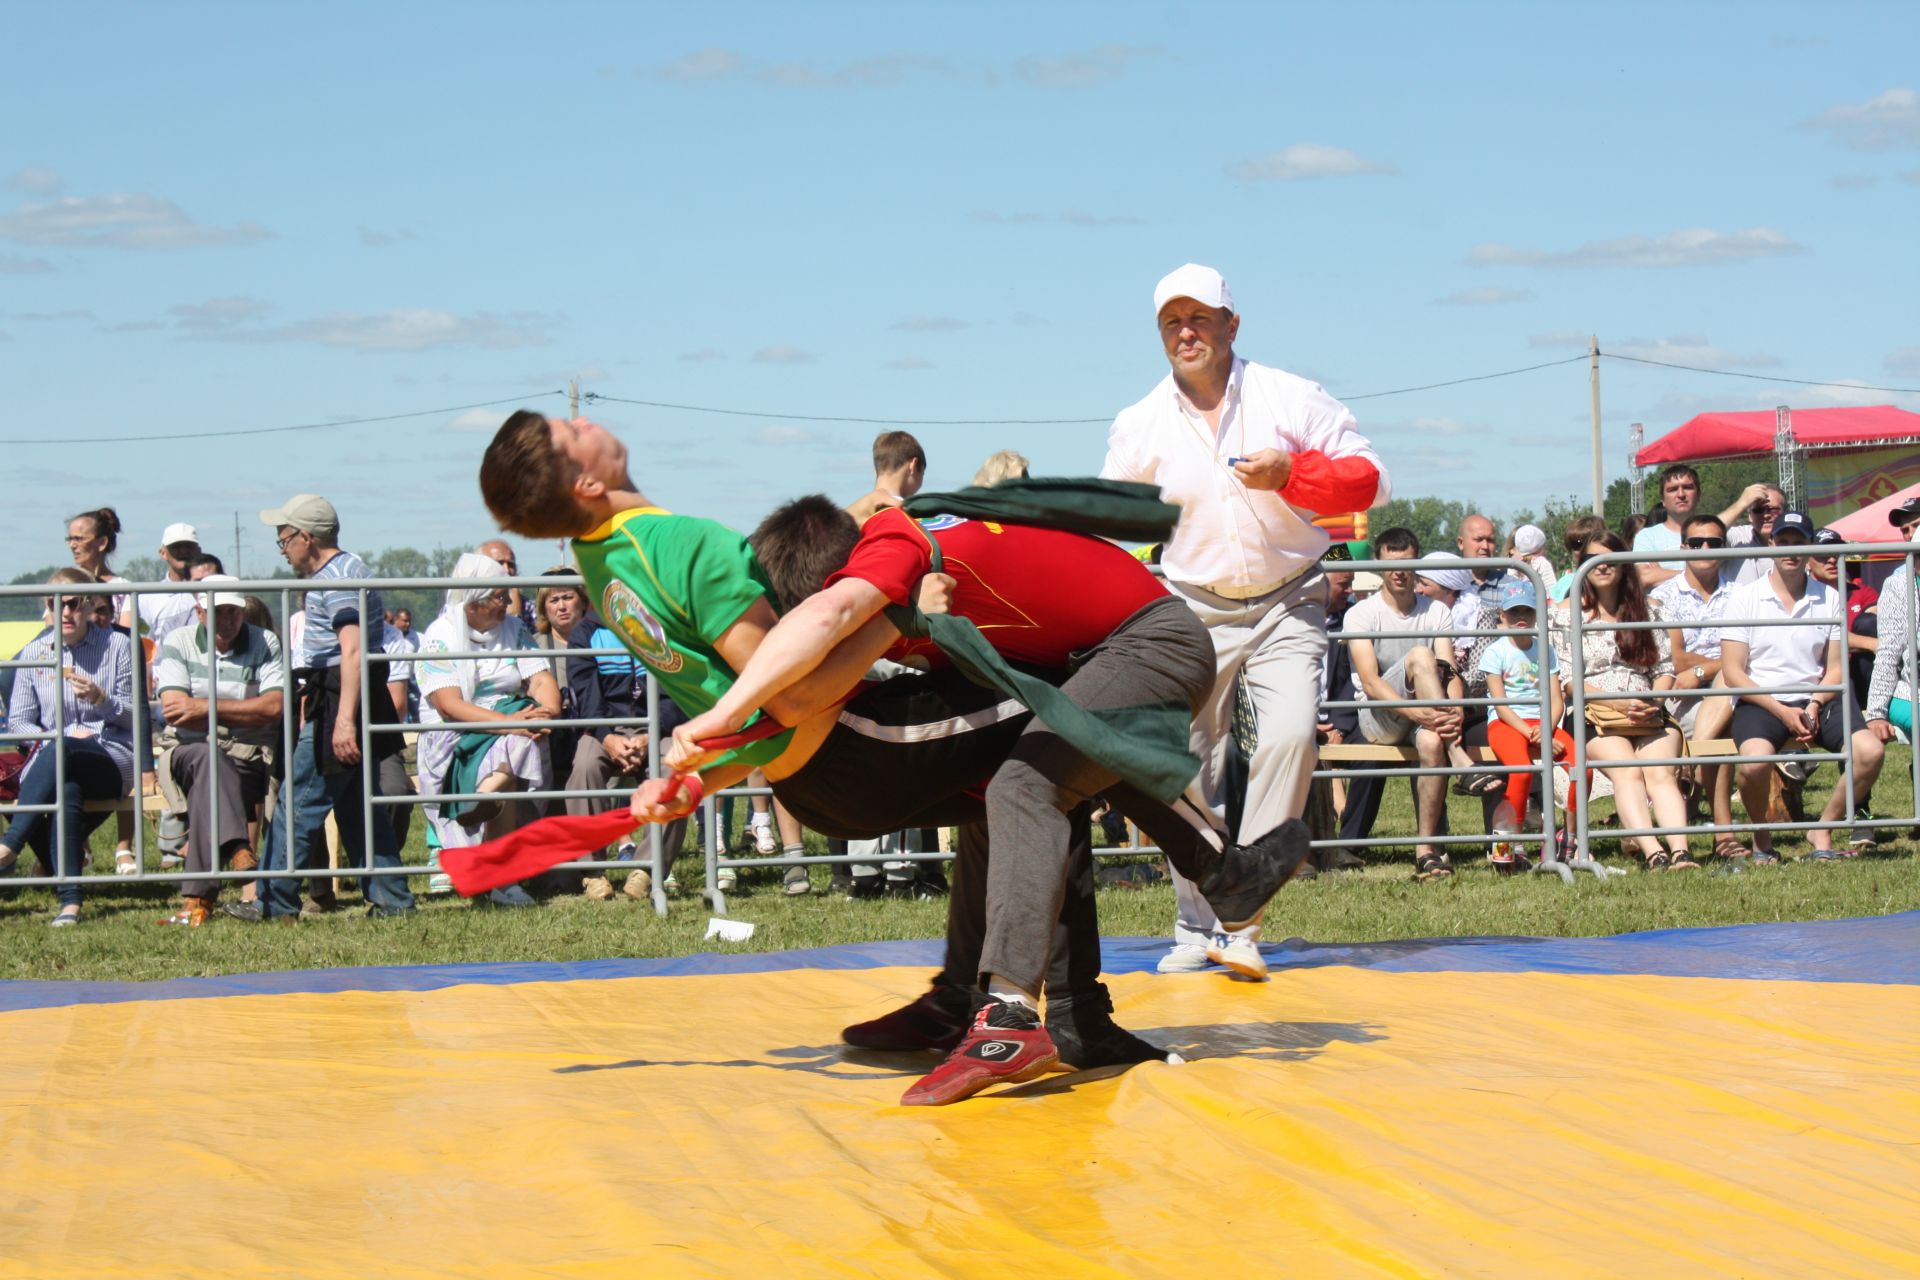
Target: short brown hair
(803,543)
(895,449)
(528,482)
(1580,531)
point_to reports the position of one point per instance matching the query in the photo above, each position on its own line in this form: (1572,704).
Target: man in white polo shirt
(1251,454)
(1760,657)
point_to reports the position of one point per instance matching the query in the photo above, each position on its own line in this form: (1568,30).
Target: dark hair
(1397,538)
(106,524)
(1636,648)
(1705,517)
(1631,527)
(801,544)
(1657,513)
(1580,531)
(258,615)
(895,449)
(205,560)
(1676,471)
(527,481)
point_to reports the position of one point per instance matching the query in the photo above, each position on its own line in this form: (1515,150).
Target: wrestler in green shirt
(670,586)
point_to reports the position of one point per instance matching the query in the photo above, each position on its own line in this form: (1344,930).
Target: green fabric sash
(1145,745)
(463,774)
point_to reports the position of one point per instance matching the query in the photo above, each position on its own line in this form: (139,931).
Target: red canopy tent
(1749,435)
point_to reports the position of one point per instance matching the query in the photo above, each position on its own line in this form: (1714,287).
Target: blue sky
(225,217)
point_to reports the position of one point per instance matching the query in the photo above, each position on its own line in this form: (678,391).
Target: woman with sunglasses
(91,698)
(1890,693)
(1620,732)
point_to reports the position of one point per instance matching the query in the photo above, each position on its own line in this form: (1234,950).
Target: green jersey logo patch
(639,628)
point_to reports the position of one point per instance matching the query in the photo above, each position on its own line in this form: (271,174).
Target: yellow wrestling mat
(1369,1112)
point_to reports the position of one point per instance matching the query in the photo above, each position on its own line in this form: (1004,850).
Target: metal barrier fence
(285,590)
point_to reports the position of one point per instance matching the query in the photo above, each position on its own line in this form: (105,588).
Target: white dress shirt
(1232,540)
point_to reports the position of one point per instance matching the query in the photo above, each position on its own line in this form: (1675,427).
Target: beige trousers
(1276,643)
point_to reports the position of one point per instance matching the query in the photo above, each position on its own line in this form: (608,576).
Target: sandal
(1680,860)
(1728,847)
(1658,861)
(1481,784)
(124,863)
(1431,866)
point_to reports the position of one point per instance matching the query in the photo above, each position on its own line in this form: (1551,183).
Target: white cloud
(1427,426)
(34,182)
(1853,181)
(1485,296)
(1305,160)
(1078,70)
(375,238)
(1691,247)
(780,436)
(51,317)
(885,71)
(930,324)
(14,264)
(401,329)
(909,364)
(488,420)
(1905,361)
(780,353)
(1005,219)
(1081,218)
(703,355)
(118,222)
(1887,123)
(702,64)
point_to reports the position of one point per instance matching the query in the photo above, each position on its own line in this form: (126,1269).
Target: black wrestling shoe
(1086,1035)
(1248,875)
(936,1020)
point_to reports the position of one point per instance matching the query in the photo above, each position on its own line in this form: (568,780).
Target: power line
(1022,422)
(1482,377)
(878,422)
(1758,377)
(268,431)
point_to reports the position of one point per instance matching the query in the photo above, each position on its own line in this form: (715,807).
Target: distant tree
(25,607)
(1435,521)
(142,569)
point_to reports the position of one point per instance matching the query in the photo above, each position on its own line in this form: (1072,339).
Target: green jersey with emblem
(669,586)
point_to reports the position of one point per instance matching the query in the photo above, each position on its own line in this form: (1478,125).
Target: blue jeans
(314,795)
(91,775)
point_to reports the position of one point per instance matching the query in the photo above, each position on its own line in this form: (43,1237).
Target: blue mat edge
(1874,949)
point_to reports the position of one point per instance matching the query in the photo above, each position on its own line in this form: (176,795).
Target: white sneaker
(765,843)
(725,879)
(1186,957)
(439,882)
(1240,955)
(171,862)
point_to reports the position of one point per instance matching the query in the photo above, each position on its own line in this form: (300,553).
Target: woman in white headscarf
(477,692)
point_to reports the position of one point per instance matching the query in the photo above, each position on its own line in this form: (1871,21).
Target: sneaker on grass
(1006,1045)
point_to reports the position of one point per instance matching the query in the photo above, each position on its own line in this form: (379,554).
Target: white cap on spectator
(1451,579)
(211,600)
(1529,539)
(179,532)
(1202,284)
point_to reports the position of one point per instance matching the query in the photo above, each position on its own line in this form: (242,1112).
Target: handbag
(1610,720)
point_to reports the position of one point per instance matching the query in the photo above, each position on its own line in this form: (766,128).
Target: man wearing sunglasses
(1890,692)
(1755,531)
(1695,600)
(1759,658)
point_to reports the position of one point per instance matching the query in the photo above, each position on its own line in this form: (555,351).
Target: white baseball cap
(1202,284)
(1529,538)
(211,600)
(179,532)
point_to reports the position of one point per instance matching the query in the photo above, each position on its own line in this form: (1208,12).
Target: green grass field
(121,941)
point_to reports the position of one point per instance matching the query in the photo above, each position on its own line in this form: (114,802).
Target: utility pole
(1593,377)
(236,546)
(573,398)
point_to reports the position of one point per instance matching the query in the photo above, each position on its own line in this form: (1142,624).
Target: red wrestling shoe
(1006,1045)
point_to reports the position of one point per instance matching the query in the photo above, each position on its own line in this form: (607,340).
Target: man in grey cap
(1252,454)
(327,773)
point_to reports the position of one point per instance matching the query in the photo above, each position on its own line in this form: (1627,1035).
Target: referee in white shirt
(1251,454)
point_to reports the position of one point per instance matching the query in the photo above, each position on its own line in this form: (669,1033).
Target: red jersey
(1037,595)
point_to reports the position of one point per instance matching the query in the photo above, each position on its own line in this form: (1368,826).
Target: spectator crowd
(1441,662)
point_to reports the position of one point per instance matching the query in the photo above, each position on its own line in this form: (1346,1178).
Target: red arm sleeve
(892,554)
(1325,485)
